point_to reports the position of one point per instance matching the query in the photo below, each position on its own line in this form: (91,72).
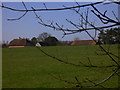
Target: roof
(19,42)
(83,42)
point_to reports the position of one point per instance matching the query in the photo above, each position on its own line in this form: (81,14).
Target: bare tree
(84,26)
(43,36)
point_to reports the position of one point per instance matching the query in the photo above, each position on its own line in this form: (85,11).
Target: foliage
(43,36)
(52,41)
(4,45)
(109,36)
(47,39)
(34,40)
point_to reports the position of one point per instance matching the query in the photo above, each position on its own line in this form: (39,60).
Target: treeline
(109,36)
(46,39)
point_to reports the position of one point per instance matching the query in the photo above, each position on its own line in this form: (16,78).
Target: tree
(84,25)
(43,36)
(34,40)
(109,36)
(52,41)
(5,44)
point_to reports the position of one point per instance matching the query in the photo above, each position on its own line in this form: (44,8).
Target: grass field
(27,67)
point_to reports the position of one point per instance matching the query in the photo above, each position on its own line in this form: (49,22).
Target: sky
(28,26)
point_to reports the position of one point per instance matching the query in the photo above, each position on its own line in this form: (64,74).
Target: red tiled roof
(83,42)
(19,42)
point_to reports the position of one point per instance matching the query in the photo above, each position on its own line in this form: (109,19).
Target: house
(21,42)
(83,42)
(38,44)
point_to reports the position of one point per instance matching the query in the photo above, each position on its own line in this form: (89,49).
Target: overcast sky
(28,26)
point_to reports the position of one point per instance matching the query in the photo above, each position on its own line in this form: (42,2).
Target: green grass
(29,68)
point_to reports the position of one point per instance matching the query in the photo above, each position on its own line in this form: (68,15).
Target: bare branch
(75,25)
(45,6)
(18,17)
(94,83)
(24,10)
(115,16)
(77,65)
(104,80)
(69,82)
(106,18)
(95,40)
(89,61)
(79,30)
(79,83)
(22,15)
(24,5)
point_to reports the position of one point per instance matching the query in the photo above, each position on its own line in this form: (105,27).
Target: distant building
(83,42)
(38,44)
(21,42)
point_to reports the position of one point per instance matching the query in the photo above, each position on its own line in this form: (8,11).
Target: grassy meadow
(27,67)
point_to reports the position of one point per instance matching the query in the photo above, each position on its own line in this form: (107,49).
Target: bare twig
(104,80)
(22,15)
(106,18)
(95,83)
(24,10)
